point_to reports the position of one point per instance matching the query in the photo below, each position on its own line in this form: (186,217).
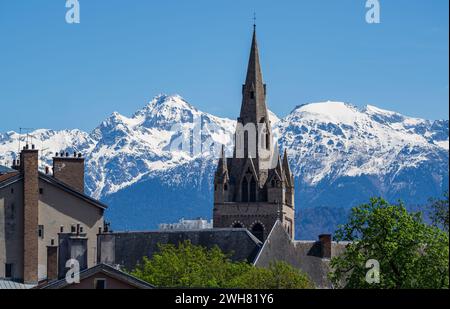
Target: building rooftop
(12,285)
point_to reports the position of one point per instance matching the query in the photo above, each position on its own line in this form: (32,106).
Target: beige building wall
(58,208)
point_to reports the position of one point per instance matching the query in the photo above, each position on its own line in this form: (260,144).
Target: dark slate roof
(304,255)
(130,247)
(104,269)
(7,179)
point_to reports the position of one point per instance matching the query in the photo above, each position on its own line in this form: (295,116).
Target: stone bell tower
(255,187)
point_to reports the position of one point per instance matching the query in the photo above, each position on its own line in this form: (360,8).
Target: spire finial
(254,21)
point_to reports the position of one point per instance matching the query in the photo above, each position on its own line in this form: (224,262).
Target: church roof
(130,247)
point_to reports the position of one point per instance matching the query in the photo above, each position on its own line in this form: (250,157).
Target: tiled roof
(5,177)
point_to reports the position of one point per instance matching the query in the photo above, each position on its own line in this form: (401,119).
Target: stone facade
(255,187)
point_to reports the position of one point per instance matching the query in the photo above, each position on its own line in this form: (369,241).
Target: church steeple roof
(254,107)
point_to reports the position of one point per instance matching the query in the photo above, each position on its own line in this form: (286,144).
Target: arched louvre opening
(253,190)
(245,190)
(258,231)
(246,144)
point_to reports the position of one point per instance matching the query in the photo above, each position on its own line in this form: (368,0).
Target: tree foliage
(410,253)
(439,211)
(189,266)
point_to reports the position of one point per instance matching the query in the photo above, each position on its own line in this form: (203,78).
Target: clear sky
(123,53)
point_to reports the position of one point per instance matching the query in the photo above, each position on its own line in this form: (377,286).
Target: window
(245,190)
(225,187)
(100,284)
(8,271)
(252,95)
(41,231)
(12,190)
(41,191)
(258,231)
(253,190)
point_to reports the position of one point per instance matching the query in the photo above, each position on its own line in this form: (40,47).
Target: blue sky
(55,75)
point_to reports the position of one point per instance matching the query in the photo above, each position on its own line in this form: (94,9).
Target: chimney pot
(57,154)
(74,154)
(67,154)
(32,146)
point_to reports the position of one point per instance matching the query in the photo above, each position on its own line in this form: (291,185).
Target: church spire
(253,107)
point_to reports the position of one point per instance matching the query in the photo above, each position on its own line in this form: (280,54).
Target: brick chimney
(29,169)
(70,170)
(325,243)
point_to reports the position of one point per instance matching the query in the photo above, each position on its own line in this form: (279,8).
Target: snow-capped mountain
(145,168)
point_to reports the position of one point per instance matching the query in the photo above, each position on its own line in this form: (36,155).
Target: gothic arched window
(253,190)
(245,190)
(258,231)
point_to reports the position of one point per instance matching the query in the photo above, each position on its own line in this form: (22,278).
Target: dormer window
(252,95)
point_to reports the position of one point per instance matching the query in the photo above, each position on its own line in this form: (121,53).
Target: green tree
(189,266)
(439,211)
(410,253)
(279,275)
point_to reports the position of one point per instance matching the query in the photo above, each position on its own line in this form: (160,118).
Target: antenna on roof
(23,130)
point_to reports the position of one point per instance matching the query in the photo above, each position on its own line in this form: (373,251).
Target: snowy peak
(333,112)
(166,110)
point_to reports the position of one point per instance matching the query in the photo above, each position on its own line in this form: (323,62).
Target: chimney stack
(325,243)
(29,168)
(70,170)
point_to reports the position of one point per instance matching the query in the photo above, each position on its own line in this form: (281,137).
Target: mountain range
(339,154)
